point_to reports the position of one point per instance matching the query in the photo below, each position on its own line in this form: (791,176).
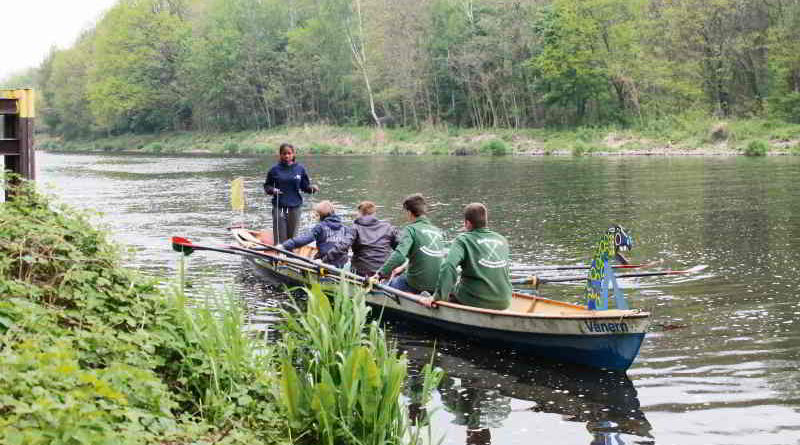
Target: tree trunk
(360,56)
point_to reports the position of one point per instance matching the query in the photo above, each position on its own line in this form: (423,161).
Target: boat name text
(606,327)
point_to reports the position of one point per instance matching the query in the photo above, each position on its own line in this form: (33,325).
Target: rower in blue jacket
(327,233)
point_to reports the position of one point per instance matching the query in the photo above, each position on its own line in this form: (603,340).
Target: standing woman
(285,181)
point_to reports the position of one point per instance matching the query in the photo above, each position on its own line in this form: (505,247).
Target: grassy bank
(91,352)
(691,134)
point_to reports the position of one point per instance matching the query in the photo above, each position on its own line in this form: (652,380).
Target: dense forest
(227,65)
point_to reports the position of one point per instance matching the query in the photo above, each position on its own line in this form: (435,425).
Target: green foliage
(787,106)
(132,81)
(48,145)
(93,353)
(580,148)
(232,65)
(231,147)
(340,380)
(324,149)
(495,147)
(757,147)
(401,135)
(23,79)
(154,147)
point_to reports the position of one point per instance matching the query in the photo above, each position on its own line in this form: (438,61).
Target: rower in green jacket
(483,257)
(422,244)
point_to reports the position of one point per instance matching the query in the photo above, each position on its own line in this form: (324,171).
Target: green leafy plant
(495,147)
(155,147)
(340,380)
(95,353)
(231,147)
(756,148)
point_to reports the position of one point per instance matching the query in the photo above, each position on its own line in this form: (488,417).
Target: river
(721,365)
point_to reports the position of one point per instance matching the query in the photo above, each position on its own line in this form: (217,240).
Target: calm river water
(721,365)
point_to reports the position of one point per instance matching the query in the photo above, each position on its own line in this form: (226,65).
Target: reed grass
(340,380)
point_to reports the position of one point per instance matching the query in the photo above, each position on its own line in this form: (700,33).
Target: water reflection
(484,386)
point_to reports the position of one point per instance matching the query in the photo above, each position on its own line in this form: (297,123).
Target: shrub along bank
(93,353)
(688,134)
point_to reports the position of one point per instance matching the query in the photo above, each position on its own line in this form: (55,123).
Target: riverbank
(688,135)
(92,352)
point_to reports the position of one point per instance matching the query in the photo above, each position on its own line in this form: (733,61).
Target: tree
(64,92)
(133,81)
(234,71)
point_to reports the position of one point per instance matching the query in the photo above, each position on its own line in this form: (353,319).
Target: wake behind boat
(562,331)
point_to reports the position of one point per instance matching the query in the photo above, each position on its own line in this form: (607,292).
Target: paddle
(237,199)
(288,253)
(580,267)
(536,281)
(186,247)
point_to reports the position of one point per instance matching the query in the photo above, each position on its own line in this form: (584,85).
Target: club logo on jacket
(493,259)
(434,245)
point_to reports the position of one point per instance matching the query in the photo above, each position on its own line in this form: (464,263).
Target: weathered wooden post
(16,134)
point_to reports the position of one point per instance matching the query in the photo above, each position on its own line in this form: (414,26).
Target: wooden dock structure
(16,133)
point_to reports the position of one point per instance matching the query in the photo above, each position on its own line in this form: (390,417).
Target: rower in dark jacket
(285,180)
(371,239)
(327,233)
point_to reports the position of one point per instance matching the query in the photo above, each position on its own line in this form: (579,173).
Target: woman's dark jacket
(290,179)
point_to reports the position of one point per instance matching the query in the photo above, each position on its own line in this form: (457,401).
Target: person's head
(366,208)
(414,205)
(475,216)
(286,153)
(324,209)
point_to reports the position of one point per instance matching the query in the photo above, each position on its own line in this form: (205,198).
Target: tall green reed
(340,380)
(218,365)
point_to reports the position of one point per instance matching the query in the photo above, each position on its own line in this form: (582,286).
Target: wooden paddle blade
(182,245)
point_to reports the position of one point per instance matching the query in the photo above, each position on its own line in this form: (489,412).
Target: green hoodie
(423,244)
(485,280)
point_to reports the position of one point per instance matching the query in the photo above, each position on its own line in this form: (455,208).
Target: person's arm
(305,183)
(399,269)
(304,239)
(399,254)
(269,183)
(394,237)
(448,274)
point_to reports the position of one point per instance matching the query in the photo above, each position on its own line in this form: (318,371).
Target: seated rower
(371,239)
(327,233)
(483,257)
(422,244)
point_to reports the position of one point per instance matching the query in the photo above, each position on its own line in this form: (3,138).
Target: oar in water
(581,267)
(535,281)
(186,247)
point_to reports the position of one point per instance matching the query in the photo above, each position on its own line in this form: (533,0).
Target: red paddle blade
(182,245)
